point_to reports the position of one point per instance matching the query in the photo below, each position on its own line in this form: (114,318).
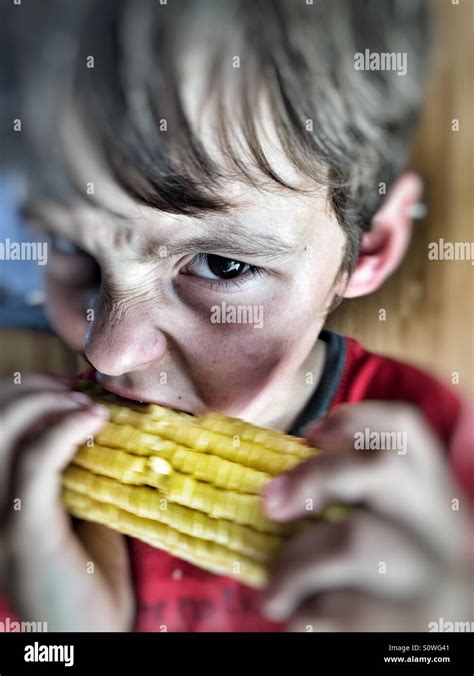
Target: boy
(214,155)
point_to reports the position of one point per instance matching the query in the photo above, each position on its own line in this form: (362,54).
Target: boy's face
(220,312)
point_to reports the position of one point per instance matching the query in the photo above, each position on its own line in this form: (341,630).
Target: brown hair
(343,128)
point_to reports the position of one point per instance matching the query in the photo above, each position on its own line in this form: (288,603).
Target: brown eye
(210,266)
(225,268)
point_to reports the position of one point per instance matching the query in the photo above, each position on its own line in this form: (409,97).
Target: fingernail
(98,409)
(312,427)
(80,398)
(324,430)
(325,423)
(276,492)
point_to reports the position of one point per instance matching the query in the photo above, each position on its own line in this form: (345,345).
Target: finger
(327,612)
(37,479)
(108,550)
(304,489)
(20,415)
(365,554)
(316,483)
(309,562)
(32,382)
(352,610)
(53,449)
(372,428)
(23,411)
(388,488)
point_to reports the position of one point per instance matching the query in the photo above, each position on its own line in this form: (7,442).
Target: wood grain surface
(429,304)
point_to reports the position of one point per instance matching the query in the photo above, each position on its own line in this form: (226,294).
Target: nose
(121,339)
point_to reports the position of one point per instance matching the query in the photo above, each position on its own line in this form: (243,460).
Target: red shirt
(173,595)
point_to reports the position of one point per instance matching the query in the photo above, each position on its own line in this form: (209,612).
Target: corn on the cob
(149,504)
(209,555)
(188,485)
(178,488)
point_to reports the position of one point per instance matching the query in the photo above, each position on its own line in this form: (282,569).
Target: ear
(383,248)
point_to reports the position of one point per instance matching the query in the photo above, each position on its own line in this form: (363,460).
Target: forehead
(267,207)
(221,151)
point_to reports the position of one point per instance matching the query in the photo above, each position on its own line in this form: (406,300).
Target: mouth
(130,395)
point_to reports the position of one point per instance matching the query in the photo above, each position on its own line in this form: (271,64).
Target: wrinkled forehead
(255,214)
(95,180)
(188,130)
(180,111)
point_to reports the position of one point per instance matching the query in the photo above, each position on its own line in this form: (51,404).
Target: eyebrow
(234,240)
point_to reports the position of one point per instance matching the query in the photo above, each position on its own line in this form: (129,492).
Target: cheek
(67,310)
(232,363)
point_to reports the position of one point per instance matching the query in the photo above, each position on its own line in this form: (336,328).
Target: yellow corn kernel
(209,555)
(271,439)
(150,504)
(188,485)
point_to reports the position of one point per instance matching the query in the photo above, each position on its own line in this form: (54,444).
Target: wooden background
(429,304)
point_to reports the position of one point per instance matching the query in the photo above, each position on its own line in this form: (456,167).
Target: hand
(399,561)
(46,563)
